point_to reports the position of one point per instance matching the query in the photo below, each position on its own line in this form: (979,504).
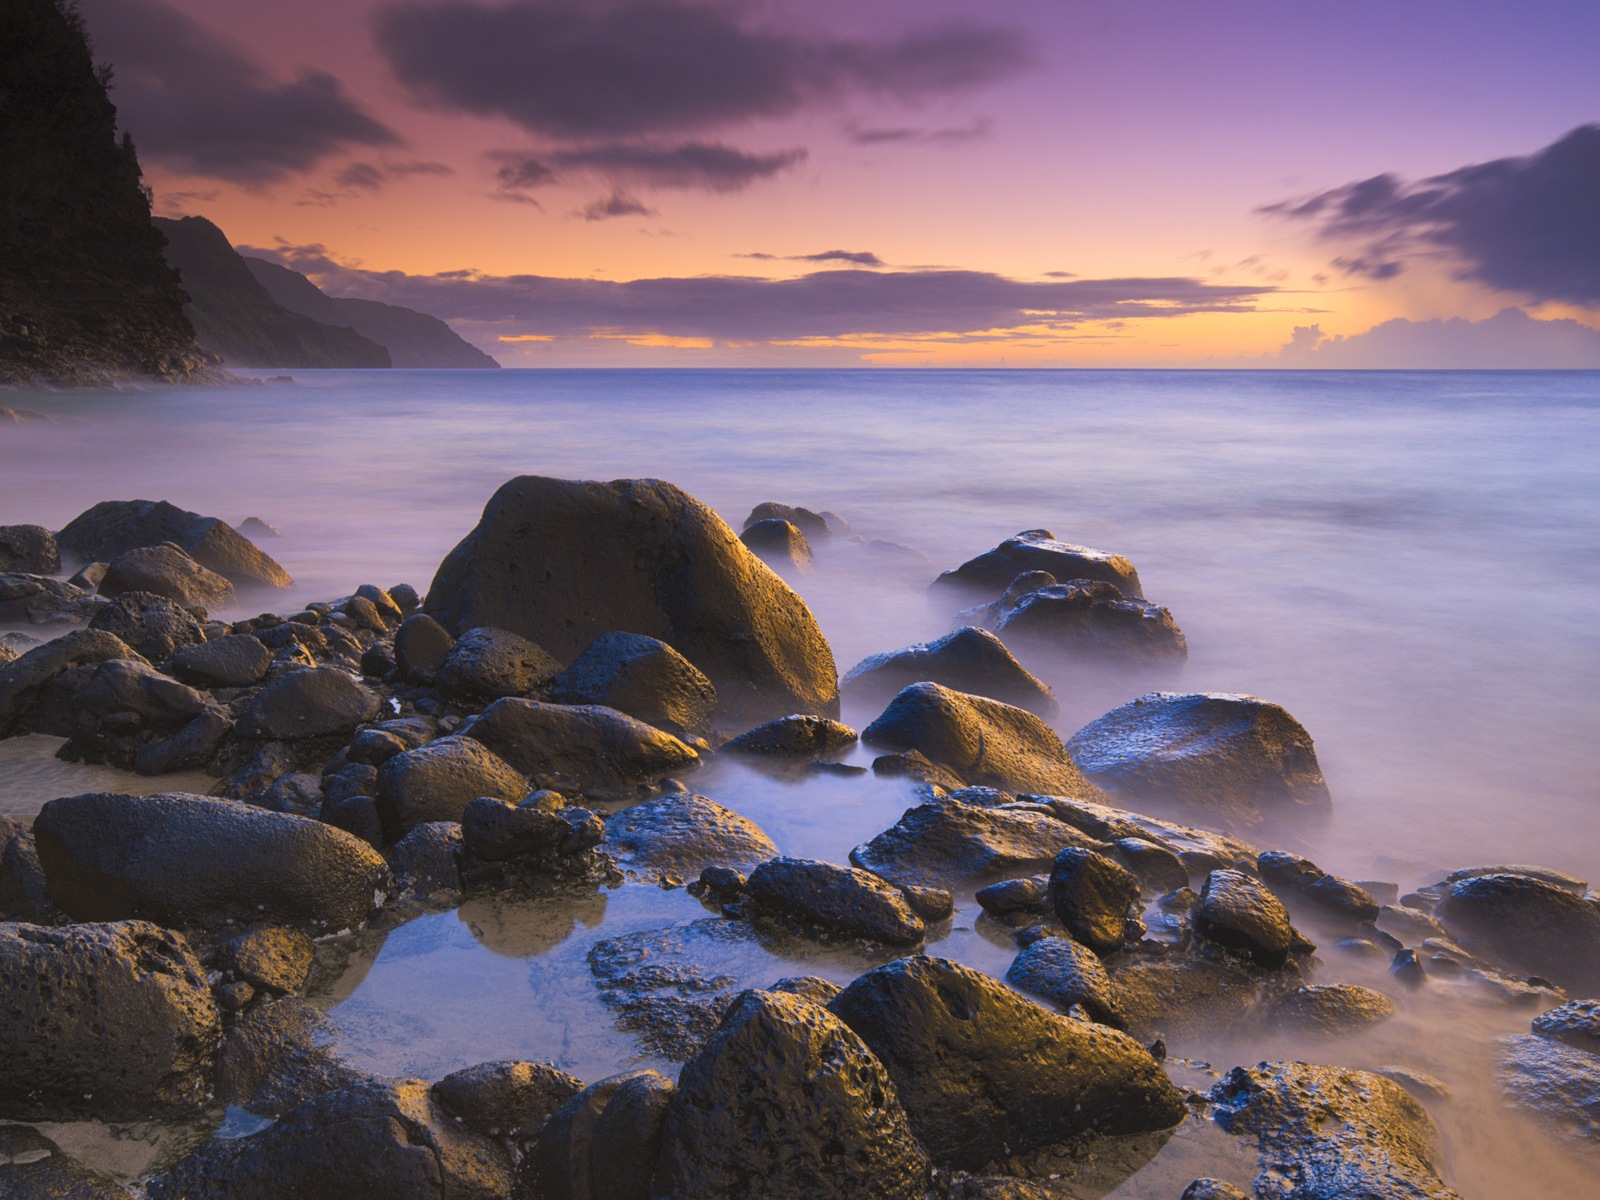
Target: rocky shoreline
(531,726)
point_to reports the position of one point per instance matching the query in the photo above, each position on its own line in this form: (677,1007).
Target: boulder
(1158,869)
(279,1055)
(828,1119)
(486,664)
(1527,925)
(374,1139)
(793,737)
(165,570)
(1038,550)
(181,859)
(984,1072)
(29,548)
(35,689)
(970,660)
(838,900)
(421,645)
(108,1022)
(779,544)
(510,1099)
(234,660)
(1557,1082)
(561,562)
(1329,1009)
(1199,850)
(579,748)
(1300,879)
(436,781)
(32,1167)
(193,747)
(817,527)
(642,677)
(267,957)
(113,527)
(1093,898)
(946,843)
(1577,1023)
(426,862)
(155,626)
(1187,997)
(1065,974)
(540,834)
(603,1143)
(40,600)
(316,702)
(23,895)
(1329,1131)
(982,740)
(258,530)
(1228,757)
(1090,620)
(679,834)
(1241,914)
(127,706)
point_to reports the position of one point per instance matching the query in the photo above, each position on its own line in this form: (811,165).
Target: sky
(1098,183)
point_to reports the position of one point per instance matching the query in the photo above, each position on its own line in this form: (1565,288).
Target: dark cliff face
(85,295)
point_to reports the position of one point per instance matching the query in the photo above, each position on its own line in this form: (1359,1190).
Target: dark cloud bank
(1528,225)
(1510,340)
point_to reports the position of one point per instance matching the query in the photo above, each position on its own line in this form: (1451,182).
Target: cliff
(85,297)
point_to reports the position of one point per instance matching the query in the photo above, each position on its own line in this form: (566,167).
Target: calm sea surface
(1409,562)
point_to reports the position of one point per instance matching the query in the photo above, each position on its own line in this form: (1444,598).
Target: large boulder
(579,748)
(155,626)
(786,1103)
(181,859)
(1038,550)
(375,1139)
(948,843)
(839,900)
(643,677)
(562,561)
(1228,757)
(1325,1132)
(436,781)
(315,702)
(114,527)
(983,1071)
(680,834)
(485,664)
(231,661)
(112,1022)
(982,740)
(126,706)
(36,689)
(970,660)
(29,548)
(1528,925)
(165,570)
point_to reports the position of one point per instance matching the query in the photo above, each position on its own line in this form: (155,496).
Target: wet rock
(947,843)
(165,570)
(1560,879)
(932,904)
(817,527)
(124,705)
(562,562)
(808,987)
(1200,850)
(111,1022)
(970,660)
(1577,1023)
(267,957)
(1090,620)
(1330,1009)
(642,677)
(32,1167)
(29,548)
(994,1187)
(1300,878)
(436,781)
(1038,550)
(604,1142)
(279,1055)
(917,766)
(182,859)
(232,661)
(831,1125)
(372,1140)
(982,740)
(1010,896)
(486,664)
(1157,868)
(983,1071)
(1419,1085)
(1230,757)
(1186,997)
(779,544)
(36,689)
(838,900)
(155,626)
(506,1099)
(1241,914)
(1064,973)
(1407,969)
(1526,924)
(579,748)
(318,702)
(793,737)
(424,862)
(420,647)
(1328,1131)
(497,831)
(679,834)
(1555,1078)
(1408,924)
(22,888)
(115,526)
(1092,897)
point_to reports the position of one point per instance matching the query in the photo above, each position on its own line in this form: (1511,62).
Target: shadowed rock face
(1038,550)
(1526,924)
(113,527)
(562,562)
(1555,1073)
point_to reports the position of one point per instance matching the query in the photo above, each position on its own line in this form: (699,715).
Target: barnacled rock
(970,660)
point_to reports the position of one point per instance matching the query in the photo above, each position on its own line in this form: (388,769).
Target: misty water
(1408,562)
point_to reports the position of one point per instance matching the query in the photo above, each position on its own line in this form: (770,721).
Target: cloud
(361,176)
(703,166)
(196,104)
(1509,340)
(748,309)
(859,258)
(618,204)
(949,135)
(639,68)
(1524,225)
